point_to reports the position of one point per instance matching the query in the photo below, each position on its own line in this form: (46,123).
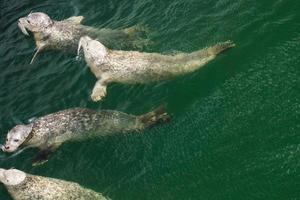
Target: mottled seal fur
(65,34)
(23,186)
(130,67)
(50,131)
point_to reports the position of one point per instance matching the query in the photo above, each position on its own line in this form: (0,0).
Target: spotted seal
(65,34)
(48,132)
(24,186)
(131,67)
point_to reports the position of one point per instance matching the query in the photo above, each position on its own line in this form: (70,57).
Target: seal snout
(22,25)
(6,148)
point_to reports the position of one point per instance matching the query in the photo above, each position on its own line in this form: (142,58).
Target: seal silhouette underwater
(65,34)
(132,67)
(48,132)
(23,186)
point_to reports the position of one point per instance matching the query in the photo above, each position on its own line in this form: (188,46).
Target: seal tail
(220,47)
(158,115)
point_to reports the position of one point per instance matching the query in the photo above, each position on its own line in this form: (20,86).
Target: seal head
(93,49)
(16,137)
(34,22)
(11,177)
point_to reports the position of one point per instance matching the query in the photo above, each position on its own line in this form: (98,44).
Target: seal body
(131,67)
(65,34)
(78,124)
(30,187)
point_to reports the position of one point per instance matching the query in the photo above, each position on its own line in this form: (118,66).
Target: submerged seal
(65,34)
(23,186)
(130,67)
(48,132)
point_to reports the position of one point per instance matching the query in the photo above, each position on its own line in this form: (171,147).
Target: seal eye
(28,21)
(16,140)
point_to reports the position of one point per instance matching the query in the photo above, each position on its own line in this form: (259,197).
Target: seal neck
(29,137)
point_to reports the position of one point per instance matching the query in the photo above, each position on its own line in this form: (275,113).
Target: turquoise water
(235,128)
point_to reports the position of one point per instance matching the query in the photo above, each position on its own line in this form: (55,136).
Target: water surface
(235,129)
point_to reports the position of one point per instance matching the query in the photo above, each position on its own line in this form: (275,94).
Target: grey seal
(65,34)
(24,186)
(131,67)
(48,132)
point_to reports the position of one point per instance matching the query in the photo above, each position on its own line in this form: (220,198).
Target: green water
(235,128)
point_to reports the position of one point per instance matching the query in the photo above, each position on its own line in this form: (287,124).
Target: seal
(65,34)
(23,186)
(131,67)
(48,132)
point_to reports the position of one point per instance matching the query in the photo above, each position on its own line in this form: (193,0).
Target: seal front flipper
(99,90)
(38,50)
(44,155)
(32,119)
(75,19)
(35,54)
(41,158)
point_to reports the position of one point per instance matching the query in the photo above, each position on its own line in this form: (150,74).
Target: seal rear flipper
(137,31)
(158,115)
(220,47)
(138,34)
